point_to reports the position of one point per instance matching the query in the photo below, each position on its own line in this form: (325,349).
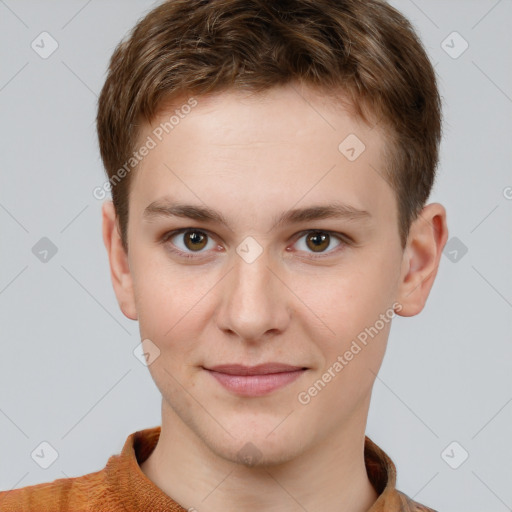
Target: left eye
(317,241)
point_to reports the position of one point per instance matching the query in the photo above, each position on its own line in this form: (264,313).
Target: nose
(255,301)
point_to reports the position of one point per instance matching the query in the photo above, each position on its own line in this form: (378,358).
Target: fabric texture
(121,486)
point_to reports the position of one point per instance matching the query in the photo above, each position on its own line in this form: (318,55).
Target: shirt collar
(137,492)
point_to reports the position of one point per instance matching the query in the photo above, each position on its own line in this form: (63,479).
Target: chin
(259,446)
(258,455)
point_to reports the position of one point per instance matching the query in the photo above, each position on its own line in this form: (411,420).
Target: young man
(270,164)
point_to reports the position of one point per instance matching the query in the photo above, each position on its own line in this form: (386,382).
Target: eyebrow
(166,208)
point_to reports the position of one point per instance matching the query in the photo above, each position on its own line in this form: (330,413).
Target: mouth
(255,380)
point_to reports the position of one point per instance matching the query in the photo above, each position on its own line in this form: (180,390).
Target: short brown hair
(363,48)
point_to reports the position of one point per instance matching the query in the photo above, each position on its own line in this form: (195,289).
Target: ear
(422,254)
(119,264)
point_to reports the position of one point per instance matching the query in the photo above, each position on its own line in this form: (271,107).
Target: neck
(330,476)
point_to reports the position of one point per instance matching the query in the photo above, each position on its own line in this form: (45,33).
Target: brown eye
(318,241)
(195,240)
(188,242)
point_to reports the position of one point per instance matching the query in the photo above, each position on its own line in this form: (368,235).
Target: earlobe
(118,260)
(425,244)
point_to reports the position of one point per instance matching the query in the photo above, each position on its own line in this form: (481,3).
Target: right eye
(188,241)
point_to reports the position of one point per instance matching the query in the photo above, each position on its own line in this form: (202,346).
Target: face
(240,276)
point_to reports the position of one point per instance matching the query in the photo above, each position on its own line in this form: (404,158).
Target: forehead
(284,145)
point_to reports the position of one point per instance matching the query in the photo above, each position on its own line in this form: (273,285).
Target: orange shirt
(121,486)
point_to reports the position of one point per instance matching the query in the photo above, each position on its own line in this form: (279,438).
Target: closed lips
(262,369)
(255,381)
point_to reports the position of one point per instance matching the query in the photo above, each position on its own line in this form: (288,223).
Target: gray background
(68,375)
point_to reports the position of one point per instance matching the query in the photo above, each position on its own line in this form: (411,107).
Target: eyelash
(343,239)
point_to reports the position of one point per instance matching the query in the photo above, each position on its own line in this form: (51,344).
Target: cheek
(171,299)
(346,299)
(360,312)
(350,366)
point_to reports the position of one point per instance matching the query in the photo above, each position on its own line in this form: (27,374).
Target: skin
(251,157)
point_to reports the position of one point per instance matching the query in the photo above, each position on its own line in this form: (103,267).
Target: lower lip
(255,385)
